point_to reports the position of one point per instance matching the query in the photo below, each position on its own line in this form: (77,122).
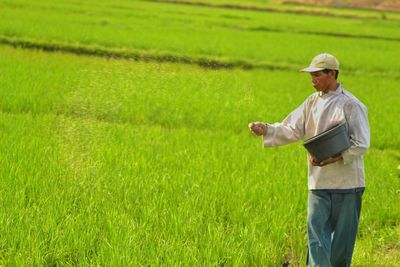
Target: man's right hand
(258,128)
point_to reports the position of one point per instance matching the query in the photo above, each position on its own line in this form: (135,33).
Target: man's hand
(258,128)
(324,162)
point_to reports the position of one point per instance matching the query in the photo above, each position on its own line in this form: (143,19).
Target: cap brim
(311,69)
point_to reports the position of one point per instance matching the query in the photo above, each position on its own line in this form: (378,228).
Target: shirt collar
(338,91)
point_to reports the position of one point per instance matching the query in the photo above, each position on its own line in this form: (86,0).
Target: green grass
(128,92)
(117,162)
(124,166)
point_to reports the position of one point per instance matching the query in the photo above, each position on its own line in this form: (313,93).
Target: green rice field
(124,139)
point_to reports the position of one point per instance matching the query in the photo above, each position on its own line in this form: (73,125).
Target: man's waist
(340,191)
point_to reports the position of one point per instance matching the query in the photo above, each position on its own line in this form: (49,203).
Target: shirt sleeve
(357,120)
(290,130)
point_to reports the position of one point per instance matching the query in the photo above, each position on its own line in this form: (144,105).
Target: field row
(206,61)
(289,7)
(198,32)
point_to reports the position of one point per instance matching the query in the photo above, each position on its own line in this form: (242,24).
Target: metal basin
(328,144)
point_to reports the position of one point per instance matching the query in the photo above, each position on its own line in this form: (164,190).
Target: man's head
(324,70)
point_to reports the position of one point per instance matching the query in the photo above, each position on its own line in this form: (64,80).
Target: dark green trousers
(332,223)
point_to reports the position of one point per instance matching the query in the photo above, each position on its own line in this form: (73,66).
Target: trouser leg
(319,229)
(346,210)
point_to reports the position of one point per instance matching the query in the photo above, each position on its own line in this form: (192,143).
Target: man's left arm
(357,121)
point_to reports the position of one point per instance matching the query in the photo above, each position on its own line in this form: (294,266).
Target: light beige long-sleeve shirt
(320,112)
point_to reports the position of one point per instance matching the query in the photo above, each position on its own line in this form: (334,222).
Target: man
(335,185)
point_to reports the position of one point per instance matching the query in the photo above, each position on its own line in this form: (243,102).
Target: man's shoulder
(352,100)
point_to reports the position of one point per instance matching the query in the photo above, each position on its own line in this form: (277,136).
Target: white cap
(321,62)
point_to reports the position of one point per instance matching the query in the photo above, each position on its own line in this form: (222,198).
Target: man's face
(321,80)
